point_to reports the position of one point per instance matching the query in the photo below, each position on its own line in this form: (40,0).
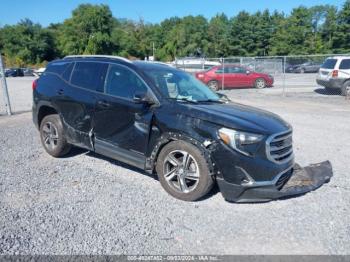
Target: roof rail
(98,56)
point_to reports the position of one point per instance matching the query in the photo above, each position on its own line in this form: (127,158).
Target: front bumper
(297,181)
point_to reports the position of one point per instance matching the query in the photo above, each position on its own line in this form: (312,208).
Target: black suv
(163,120)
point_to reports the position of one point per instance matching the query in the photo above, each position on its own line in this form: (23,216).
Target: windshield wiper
(212,101)
(184,99)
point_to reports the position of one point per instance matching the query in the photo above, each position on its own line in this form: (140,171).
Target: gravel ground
(87,204)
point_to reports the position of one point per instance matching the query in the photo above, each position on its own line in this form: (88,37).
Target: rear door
(121,126)
(76,101)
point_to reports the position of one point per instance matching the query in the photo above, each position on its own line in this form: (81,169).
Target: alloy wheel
(213,85)
(50,135)
(260,83)
(181,171)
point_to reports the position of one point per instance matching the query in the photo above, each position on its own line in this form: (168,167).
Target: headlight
(243,142)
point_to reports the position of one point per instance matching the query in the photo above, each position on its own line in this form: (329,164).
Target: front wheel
(345,90)
(260,83)
(183,171)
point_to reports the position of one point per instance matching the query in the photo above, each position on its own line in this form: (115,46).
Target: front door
(121,126)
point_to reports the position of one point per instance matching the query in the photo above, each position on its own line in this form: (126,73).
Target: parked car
(39,72)
(28,71)
(163,120)
(233,76)
(194,64)
(291,68)
(308,67)
(14,72)
(335,74)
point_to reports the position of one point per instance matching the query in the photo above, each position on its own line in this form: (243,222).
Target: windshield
(175,84)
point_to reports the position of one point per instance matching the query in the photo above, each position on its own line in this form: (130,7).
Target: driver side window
(122,82)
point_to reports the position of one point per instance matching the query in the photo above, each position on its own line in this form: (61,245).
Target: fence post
(284,76)
(4,87)
(223,74)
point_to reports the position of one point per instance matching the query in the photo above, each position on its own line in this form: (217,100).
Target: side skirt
(129,157)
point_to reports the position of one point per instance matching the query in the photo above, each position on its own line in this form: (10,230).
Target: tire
(213,85)
(52,136)
(260,83)
(329,89)
(195,174)
(345,90)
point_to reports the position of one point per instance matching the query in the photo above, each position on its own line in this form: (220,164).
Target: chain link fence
(289,73)
(5,107)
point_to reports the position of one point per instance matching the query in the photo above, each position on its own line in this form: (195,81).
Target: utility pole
(4,87)
(153,48)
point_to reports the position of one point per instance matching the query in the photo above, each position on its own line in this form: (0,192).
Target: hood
(237,116)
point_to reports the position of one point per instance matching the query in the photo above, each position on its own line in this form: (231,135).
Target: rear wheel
(260,83)
(213,85)
(183,171)
(345,90)
(52,136)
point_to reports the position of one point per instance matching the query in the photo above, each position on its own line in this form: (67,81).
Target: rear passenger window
(67,72)
(237,70)
(89,75)
(345,64)
(122,82)
(57,67)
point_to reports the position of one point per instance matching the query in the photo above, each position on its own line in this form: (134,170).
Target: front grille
(279,147)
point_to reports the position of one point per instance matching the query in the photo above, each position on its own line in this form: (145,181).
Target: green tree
(293,33)
(27,43)
(218,33)
(341,39)
(88,31)
(329,27)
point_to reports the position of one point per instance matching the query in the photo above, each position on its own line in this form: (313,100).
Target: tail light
(34,84)
(335,73)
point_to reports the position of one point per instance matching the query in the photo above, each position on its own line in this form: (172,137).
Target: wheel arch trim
(169,137)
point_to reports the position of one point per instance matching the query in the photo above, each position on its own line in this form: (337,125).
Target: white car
(335,74)
(39,71)
(194,64)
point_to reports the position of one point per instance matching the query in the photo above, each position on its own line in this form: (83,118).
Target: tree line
(92,29)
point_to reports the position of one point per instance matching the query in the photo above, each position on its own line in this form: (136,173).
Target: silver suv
(335,74)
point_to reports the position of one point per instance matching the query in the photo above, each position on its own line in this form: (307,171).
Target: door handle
(60,92)
(103,104)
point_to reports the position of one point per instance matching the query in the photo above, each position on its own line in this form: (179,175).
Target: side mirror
(142,98)
(248,72)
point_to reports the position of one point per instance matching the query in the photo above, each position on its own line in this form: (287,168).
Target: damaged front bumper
(297,181)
